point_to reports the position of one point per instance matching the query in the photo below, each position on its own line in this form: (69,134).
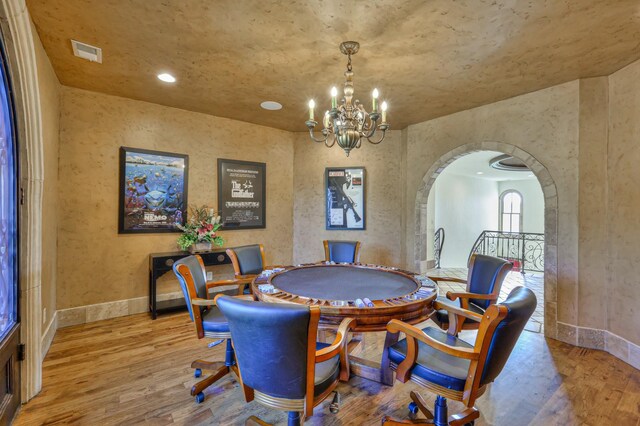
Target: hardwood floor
(133,370)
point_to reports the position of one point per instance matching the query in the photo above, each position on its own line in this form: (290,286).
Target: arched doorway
(550,214)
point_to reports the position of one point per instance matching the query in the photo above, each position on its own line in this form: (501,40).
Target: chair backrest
(271,342)
(342,251)
(520,304)
(191,276)
(486,274)
(247,260)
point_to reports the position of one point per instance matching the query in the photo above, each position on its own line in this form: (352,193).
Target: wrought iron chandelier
(348,123)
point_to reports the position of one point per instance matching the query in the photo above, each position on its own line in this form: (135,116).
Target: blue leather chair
(484,281)
(280,363)
(208,319)
(248,262)
(342,251)
(453,368)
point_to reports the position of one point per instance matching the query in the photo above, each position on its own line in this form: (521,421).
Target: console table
(160,263)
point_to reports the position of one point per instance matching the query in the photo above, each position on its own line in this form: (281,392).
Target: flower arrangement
(202,226)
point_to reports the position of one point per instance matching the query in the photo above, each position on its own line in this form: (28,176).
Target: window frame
(501,212)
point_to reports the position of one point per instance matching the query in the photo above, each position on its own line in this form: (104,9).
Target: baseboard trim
(102,311)
(49,334)
(595,338)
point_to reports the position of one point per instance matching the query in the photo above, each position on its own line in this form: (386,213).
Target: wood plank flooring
(132,370)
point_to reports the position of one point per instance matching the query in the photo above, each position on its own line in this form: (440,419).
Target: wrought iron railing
(524,249)
(438,243)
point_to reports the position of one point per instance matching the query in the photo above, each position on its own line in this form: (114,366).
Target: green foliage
(202,226)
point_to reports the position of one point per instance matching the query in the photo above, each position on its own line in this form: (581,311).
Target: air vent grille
(86,51)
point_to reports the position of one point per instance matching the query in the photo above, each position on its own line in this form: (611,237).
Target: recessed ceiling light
(167,78)
(271,105)
(479,173)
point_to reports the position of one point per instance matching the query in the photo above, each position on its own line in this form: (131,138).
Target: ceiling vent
(86,51)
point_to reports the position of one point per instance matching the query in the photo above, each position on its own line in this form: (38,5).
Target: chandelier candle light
(348,123)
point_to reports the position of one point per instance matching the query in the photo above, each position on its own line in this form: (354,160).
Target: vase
(200,247)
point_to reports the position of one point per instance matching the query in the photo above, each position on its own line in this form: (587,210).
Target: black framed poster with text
(344,188)
(242,194)
(153,191)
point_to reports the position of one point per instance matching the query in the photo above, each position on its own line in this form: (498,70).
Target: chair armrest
(219,295)
(403,371)
(453,295)
(450,279)
(196,301)
(339,343)
(457,311)
(221,283)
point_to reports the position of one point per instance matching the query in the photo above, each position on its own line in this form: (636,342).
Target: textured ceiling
(427,58)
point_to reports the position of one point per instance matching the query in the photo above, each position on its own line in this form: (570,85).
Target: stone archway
(550,217)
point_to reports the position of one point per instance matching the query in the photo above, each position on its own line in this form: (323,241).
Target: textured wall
(544,124)
(95,264)
(50,107)
(624,203)
(383,199)
(593,203)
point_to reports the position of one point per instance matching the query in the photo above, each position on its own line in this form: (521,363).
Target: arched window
(510,211)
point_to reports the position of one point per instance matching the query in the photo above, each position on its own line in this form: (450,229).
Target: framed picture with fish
(153,191)
(242,194)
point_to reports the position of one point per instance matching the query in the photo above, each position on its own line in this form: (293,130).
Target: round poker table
(335,288)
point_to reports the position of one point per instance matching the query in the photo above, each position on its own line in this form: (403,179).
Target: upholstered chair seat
(435,366)
(327,372)
(213,321)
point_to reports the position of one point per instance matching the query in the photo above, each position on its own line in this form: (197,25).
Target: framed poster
(153,191)
(242,194)
(345,198)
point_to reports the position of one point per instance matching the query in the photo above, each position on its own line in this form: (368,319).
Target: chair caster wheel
(197,373)
(200,398)
(413,410)
(334,407)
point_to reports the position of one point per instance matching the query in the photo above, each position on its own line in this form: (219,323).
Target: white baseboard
(48,335)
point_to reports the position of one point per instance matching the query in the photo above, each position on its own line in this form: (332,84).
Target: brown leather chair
(484,281)
(453,368)
(207,318)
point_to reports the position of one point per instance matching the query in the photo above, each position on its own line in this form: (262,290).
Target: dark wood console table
(160,263)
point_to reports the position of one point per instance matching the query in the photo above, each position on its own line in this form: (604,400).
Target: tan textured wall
(544,124)
(95,264)
(624,203)
(383,199)
(50,107)
(593,206)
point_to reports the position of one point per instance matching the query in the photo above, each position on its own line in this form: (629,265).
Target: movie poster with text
(153,190)
(242,194)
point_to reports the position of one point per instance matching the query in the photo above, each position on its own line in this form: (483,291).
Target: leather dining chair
(452,368)
(280,363)
(207,318)
(341,251)
(248,262)
(484,281)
